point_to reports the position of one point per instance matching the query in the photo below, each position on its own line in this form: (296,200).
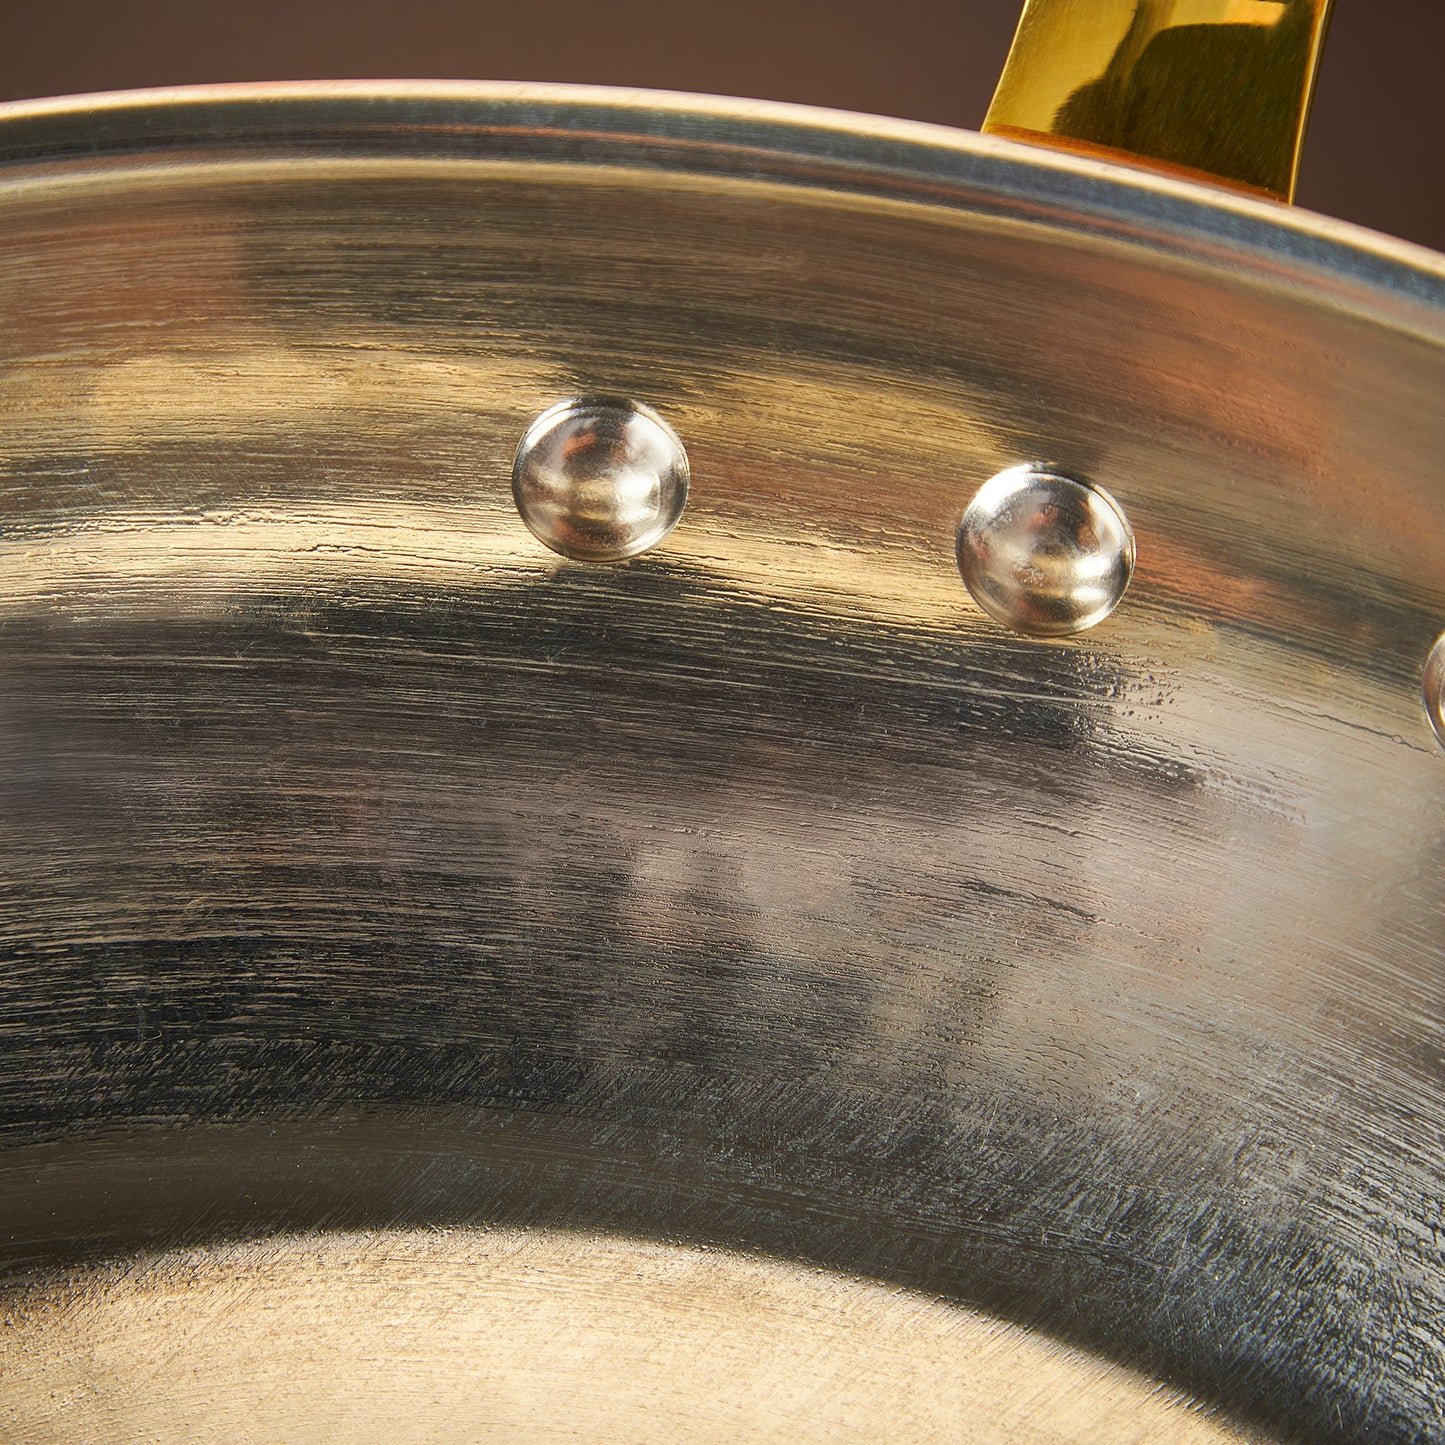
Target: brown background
(1374,154)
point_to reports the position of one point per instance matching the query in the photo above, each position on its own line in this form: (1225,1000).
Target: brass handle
(1219,89)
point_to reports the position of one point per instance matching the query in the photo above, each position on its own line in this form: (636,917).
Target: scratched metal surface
(453,993)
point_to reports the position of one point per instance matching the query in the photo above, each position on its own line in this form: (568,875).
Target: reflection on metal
(1044,554)
(756,931)
(1219,88)
(600,480)
(1434,688)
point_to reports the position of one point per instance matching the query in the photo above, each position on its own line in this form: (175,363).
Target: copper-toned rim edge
(678,132)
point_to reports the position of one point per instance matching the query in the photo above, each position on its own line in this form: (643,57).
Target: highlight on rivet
(1433,687)
(600,479)
(1044,553)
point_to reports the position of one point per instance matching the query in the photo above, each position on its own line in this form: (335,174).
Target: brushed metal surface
(428,960)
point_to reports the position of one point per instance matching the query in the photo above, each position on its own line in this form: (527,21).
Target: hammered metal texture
(422,949)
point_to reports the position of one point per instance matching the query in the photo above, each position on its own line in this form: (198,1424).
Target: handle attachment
(1217,89)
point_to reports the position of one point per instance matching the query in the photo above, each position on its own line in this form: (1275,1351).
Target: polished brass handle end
(1218,89)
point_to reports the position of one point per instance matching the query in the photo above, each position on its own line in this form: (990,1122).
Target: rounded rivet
(600,479)
(1433,687)
(1043,553)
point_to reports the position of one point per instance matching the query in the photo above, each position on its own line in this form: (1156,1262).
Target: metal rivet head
(600,480)
(1434,688)
(1044,554)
